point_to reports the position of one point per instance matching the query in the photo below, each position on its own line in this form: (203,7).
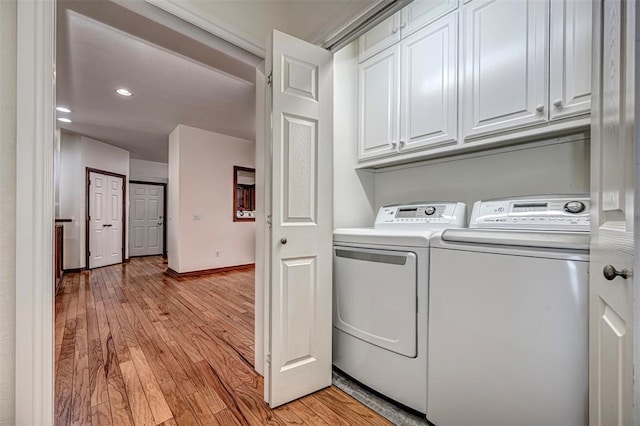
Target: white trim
(327,35)
(34,212)
(212,25)
(262,240)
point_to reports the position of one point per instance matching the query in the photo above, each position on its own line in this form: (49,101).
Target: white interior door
(299,312)
(611,326)
(105,219)
(146,219)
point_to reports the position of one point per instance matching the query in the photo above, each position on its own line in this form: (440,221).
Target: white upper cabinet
(570,61)
(503,68)
(419,13)
(379,99)
(379,38)
(410,19)
(429,92)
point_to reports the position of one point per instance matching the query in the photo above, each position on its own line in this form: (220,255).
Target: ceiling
(249,23)
(179,73)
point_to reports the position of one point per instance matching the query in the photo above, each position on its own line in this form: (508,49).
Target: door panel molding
(90,170)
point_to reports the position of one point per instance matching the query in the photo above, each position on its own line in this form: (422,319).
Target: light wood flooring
(136,347)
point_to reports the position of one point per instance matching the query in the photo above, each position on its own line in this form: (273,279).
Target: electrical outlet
(217,253)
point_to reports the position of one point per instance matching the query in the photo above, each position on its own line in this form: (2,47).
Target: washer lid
(532,239)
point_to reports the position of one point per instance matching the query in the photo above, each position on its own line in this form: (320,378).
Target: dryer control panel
(421,214)
(546,212)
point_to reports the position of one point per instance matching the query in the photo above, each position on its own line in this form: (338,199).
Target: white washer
(380,298)
(508,315)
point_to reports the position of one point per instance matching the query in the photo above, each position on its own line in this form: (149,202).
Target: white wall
(204,167)
(173,200)
(353,191)
(554,169)
(148,171)
(76,154)
(7,209)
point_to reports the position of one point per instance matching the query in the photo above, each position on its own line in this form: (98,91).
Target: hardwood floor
(136,347)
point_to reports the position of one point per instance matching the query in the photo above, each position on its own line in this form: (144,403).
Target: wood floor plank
(63,391)
(307,415)
(201,411)
(225,417)
(136,347)
(183,415)
(97,376)
(81,414)
(323,411)
(119,402)
(139,406)
(101,415)
(157,403)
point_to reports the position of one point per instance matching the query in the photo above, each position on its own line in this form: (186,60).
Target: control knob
(430,210)
(574,207)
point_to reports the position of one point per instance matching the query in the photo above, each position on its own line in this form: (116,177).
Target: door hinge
(269,221)
(267,358)
(417,309)
(270,79)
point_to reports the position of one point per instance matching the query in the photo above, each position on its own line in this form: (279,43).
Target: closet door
(105,220)
(419,13)
(383,35)
(570,61)
(504,65)
(378,130)
(429,86)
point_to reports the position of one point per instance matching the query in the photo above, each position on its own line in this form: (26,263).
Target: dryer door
(375,297)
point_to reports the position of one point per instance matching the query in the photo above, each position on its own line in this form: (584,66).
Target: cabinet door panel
(378,132)
(383,35)
(429,86)
(419,13)
(504,65)
(570,76)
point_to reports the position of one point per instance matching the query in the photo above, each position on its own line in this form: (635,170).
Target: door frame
(87,234)
(164,212)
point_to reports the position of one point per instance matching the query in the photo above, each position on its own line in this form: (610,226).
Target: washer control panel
(549,212)
(422,214)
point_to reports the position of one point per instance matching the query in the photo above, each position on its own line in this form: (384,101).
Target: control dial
(430,210)
(574,207)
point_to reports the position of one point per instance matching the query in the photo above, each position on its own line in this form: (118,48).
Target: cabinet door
(383,35)
(503,65)
(419,13)
(379,100)
(570,62)
(429,86)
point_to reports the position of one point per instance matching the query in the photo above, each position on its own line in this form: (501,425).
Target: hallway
(134,346)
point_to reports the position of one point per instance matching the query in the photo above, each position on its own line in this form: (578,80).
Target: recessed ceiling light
(63,109)
(64,120)
(124,92)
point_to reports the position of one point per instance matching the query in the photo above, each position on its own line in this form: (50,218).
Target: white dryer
(380,298)
(508,315)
